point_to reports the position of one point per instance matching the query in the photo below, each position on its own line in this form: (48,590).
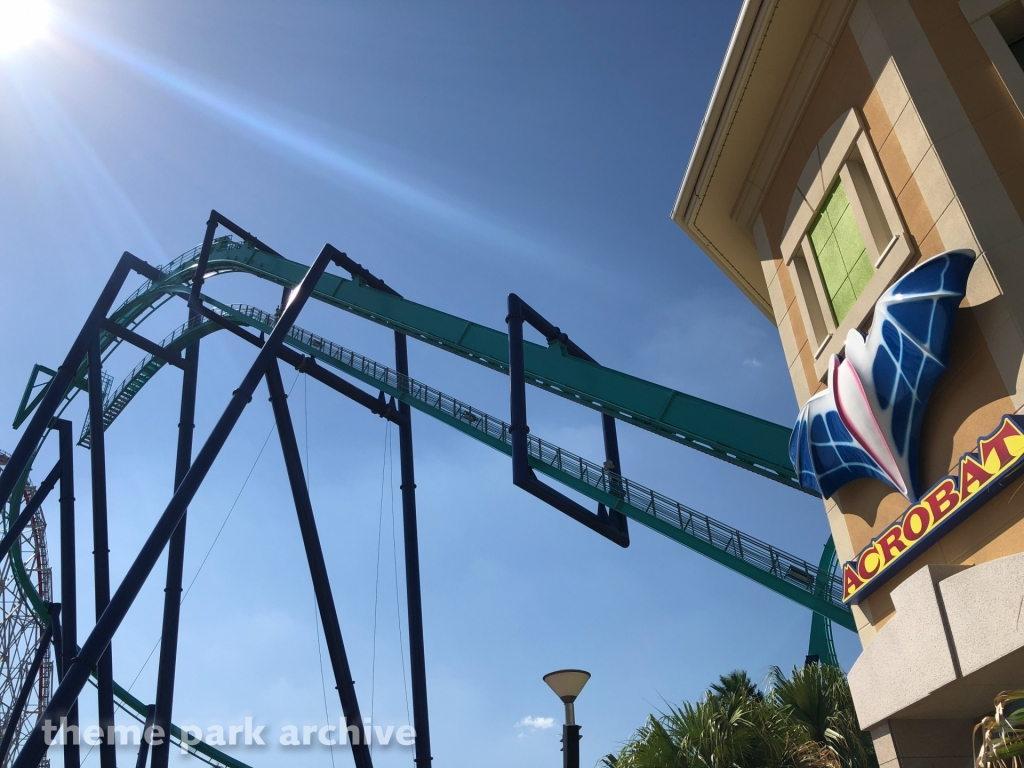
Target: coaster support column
(95,645)
(318,569)
(101,550)
(162,709)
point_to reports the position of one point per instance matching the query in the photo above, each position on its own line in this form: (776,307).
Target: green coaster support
(822,647)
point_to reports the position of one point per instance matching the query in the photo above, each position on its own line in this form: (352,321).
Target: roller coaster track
(746,441)
(737,438)
(781,572)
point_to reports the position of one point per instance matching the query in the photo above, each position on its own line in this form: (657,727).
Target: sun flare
(22,22)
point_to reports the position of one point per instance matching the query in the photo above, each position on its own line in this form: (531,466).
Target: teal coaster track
(560,367)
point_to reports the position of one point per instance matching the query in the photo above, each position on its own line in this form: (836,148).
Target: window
(844,240)
(840,252)
(999,25)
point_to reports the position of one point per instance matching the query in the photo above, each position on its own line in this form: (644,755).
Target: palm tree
(737,681)
(733,729)
(804,721)
(817,699)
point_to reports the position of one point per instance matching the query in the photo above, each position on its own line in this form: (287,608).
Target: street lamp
(567,684)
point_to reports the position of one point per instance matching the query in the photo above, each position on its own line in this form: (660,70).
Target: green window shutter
(840,252)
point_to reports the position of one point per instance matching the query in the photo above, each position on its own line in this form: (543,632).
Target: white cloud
(753,362)
(537,723)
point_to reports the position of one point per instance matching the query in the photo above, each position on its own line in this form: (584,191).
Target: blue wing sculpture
(867,423)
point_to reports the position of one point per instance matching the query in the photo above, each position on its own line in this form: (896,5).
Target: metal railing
(638,501)
(116,402)
(643,500)
(220,243)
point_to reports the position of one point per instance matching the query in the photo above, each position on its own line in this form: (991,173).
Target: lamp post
(567,684)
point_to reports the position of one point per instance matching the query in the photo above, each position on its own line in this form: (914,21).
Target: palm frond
(805,720)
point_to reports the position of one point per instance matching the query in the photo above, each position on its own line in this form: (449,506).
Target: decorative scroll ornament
(868,422)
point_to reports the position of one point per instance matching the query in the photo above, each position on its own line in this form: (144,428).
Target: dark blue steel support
(417,653)
(612,526)
(175,562)
(552,334)
(101,551)
(147,733)
(318,567)
(68,581)
(77,675)
(308,365)
(176,549)
(386,409)
(194,301)
(171,358)
(218,220)
(18,708)
(21,458)
(19,525)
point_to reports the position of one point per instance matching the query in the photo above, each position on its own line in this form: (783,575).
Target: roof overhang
(777,51)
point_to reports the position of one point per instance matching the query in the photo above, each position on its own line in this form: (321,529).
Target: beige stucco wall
(951,144)
(938,659)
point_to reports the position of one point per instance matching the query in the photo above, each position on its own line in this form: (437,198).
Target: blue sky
(461,151)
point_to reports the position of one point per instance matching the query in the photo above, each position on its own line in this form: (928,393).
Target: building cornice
(751,26)
(778,49)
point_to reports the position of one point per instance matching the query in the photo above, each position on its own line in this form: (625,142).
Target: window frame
(845,154)
(979,15)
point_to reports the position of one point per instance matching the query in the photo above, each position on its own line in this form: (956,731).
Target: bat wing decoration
(867,423)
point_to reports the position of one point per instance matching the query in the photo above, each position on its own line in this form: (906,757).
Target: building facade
(846,143)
